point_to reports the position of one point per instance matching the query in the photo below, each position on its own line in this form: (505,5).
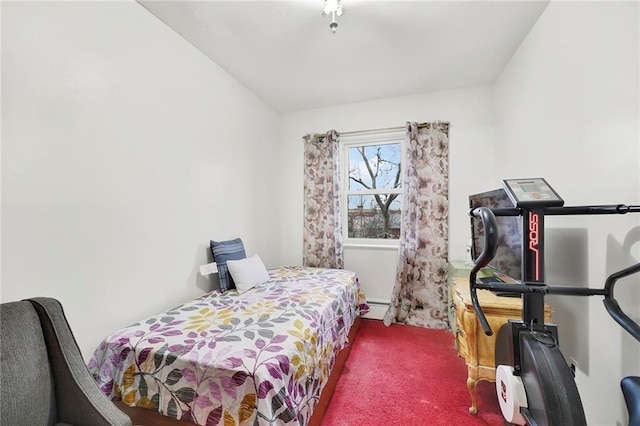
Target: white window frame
(368,139)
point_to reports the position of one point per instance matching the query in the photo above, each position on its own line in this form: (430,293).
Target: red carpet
(403,375)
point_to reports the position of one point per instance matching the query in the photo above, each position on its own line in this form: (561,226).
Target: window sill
(371,246)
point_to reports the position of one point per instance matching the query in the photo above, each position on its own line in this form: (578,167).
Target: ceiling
(285,53)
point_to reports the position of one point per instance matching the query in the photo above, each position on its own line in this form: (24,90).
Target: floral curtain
(420,293)
(322,245)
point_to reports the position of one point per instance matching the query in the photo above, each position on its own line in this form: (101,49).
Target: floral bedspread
(261,357)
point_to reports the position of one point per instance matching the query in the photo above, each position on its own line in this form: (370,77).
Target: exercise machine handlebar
(489,249)
(572,210)
(612,306)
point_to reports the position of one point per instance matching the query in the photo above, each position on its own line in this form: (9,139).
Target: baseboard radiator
(377,308)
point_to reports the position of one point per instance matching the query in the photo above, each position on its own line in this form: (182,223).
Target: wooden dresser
(473,345)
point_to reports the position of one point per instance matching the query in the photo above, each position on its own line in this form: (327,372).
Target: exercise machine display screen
(532,193)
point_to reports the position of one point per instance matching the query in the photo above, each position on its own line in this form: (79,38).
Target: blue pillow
(222,252)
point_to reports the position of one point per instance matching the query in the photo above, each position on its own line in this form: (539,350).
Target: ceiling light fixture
(333,8)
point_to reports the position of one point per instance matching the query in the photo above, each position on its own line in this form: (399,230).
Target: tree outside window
(374,190)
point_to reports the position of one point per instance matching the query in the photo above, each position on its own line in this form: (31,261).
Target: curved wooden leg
(471,384)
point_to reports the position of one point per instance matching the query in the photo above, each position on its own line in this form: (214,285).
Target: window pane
(373,216)
(374,166)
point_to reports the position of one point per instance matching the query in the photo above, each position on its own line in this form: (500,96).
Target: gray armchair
(43,378)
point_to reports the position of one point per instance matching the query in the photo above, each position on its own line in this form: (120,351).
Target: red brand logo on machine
(503,394)
(534,240)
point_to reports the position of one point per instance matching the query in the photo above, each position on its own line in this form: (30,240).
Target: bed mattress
(261,357)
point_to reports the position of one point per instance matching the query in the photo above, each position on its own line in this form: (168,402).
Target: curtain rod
(385,129)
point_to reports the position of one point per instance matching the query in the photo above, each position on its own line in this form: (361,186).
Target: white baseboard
(376,310)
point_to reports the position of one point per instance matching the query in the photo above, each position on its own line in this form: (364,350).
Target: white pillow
(248,273)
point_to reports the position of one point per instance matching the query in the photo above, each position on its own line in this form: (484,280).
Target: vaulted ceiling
(285,53)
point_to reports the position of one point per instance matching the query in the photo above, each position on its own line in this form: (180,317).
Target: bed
(260,357)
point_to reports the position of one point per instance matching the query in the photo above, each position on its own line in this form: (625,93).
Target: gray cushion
(26,381)
(224,251)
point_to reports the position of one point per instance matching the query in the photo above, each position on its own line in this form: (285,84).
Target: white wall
(567,109)
(124,150)
(471,155)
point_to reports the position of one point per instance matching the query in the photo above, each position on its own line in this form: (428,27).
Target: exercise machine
(534,384)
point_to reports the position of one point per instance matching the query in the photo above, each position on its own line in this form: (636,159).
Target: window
(372,187)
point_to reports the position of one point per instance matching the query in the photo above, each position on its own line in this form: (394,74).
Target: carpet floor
(404,375)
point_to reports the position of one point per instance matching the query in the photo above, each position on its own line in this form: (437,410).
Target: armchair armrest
(79,400)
